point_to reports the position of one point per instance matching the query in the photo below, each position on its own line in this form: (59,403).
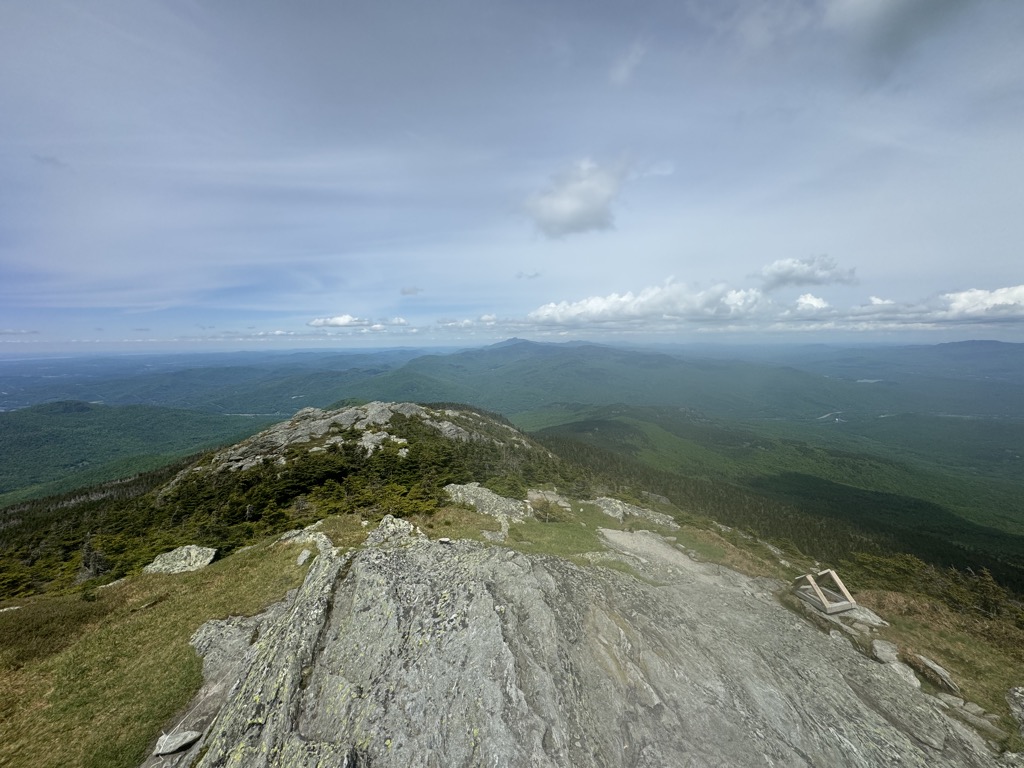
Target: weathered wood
(810,591)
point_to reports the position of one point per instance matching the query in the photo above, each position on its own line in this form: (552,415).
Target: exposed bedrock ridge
(415,653)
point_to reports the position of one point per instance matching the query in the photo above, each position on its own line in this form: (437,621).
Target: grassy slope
(56,447)
(90,682)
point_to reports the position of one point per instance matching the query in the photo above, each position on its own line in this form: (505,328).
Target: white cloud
(339,321)
(811,302)
(349,321)
(577,200)
(674,306)
(1002,301)
(455,324)
(411,290)
(669,302)
(625,64)
(816,270)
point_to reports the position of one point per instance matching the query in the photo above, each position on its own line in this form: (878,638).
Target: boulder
(187,558)
(885,652)
(620,510)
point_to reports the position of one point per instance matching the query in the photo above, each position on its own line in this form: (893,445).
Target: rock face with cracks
(417,653)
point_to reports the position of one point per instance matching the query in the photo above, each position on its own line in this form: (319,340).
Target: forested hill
(60,446)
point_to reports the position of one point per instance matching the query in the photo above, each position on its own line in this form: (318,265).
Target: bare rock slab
(414,653)
(187,558)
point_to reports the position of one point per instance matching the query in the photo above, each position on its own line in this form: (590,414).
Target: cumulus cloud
(811,302)
(339,321)
(976,301)
(577,200)
(816,270)
(626,63)
(669,302)
(673,306)
(455,324)
(350,321)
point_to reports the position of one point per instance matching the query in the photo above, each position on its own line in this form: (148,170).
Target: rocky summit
(412,652)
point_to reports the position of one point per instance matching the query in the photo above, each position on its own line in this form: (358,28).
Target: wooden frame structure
(821,597)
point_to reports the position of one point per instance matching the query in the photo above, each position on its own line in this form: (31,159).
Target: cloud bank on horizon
(184,174)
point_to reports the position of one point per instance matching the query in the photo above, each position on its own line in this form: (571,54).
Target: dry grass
(455,522)
(101,699)
(985,657)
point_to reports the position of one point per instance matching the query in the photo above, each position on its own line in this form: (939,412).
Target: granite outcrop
(411,652)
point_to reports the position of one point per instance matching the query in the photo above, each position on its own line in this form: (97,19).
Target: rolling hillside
(60,446)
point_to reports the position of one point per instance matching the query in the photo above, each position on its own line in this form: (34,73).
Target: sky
(179,174)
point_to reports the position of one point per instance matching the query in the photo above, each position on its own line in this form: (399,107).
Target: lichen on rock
(187,558)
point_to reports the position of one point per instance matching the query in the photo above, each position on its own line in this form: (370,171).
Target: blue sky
(229,175)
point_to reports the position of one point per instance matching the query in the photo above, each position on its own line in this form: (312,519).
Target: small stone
(934,673)
(304,555)
(444,540)
(974,709)
(980,724)
(170,743)
(954,701)
(885,652)
(865,616)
